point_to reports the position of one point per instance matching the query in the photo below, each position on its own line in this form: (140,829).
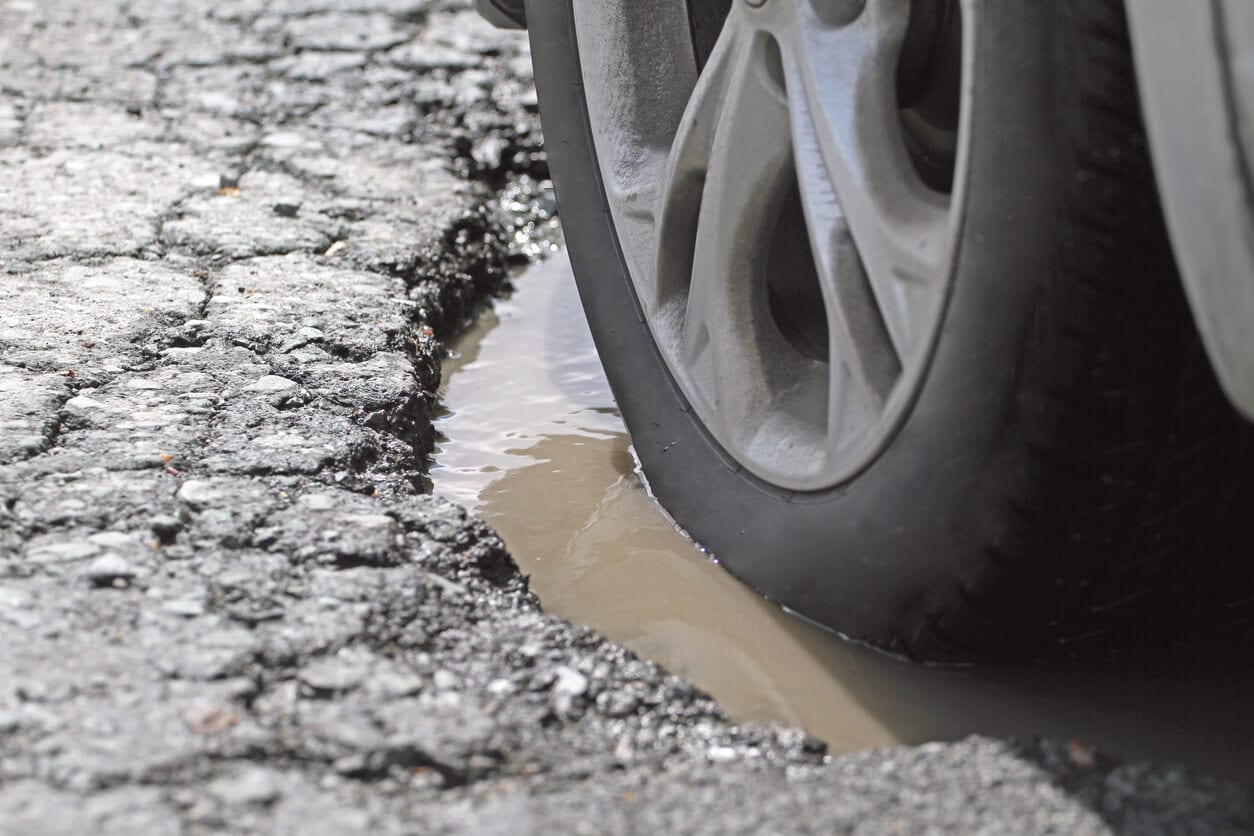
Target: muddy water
(535,445)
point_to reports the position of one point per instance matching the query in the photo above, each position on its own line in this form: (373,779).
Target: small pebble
(271,383)
(166,527)
(570,682)
(253,785)
(109,570)
(186,607)
(332,675)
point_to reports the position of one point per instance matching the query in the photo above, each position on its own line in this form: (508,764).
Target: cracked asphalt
(233,238)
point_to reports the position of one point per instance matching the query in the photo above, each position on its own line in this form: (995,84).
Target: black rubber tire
(1069,468)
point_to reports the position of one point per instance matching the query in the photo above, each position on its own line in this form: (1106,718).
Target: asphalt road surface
(234,237)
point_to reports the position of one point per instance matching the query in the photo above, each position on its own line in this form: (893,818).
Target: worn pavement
(233,236)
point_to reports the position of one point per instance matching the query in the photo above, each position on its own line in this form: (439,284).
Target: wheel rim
(788,230)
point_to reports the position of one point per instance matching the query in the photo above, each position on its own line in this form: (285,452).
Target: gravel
(233,238)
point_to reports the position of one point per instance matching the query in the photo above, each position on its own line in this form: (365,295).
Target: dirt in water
(533,442)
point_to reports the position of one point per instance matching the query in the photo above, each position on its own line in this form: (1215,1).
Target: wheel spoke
(845,124)
(688,162)
(858,335)
(729,172)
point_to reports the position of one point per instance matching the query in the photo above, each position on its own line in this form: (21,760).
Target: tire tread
(1129,477)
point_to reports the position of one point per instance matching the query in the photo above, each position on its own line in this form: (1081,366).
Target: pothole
(531,440)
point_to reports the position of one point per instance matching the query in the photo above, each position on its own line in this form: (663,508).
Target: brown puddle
(535,445)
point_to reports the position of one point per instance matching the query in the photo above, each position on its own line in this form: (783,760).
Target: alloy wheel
(788,197)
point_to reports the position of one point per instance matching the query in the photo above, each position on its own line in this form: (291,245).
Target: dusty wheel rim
(788,231)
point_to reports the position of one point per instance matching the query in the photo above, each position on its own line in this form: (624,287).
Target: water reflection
(536,446)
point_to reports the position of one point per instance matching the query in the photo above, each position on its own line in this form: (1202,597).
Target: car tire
(1067,472)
